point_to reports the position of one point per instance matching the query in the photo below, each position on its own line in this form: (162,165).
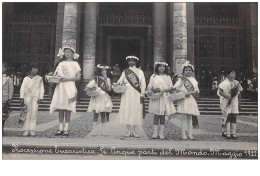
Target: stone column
(90,22)
(70,24)
(254,36)
(179,36)
(159,31)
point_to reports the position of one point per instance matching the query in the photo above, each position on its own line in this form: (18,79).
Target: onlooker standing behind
(7,94)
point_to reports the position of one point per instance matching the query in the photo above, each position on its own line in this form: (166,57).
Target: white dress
(226,86)
(65,93)
(131,110)
(101,102)
(164,104)
(188,105)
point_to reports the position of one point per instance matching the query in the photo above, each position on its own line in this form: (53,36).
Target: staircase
(207,106)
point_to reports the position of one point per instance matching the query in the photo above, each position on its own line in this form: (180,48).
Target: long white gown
(131,110)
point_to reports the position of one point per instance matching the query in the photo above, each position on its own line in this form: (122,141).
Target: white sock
(66,127)
(61,126)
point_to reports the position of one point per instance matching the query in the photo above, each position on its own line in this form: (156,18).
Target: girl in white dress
(65,94)
(131,106)
(160,82)
(31,94)
(228,91)
(187,106)
(102,102)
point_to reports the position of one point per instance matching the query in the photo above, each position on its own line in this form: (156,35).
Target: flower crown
(102,67)
(187,64)
(132,57)
(61,52)
(161,63)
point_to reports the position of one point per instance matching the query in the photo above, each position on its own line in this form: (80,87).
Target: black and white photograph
(130,81)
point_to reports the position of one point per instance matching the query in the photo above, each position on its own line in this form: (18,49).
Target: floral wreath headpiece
(132,57)
(61,52)
(161,63)
(102,67)
(187,64)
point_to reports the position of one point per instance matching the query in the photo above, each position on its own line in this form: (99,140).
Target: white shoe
(161,136)
(32,133)
(190,136)
(183,136)
(26,133)
(94,130)
(161,132)
(128,134)
(135,134)
(155,132)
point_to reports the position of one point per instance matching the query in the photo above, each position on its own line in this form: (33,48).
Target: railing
(43,17)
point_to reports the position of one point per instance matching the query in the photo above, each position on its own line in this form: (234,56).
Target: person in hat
(188,106)
(100,104)
(65,93)
(162,83)
(131,106)
(31,95)
(7,94)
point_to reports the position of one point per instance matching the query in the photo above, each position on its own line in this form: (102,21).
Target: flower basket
(177,96)
(154,96)
(119,89)
(53,79)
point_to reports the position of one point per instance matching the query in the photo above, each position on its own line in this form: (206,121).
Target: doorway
(121,48)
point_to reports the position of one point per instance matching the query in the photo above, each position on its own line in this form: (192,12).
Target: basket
(93,92)
(53,79)
(177,96)
(119,89)
(154,96)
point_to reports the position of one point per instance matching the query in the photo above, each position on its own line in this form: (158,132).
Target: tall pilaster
(179,36)
(90,28)
(160,31)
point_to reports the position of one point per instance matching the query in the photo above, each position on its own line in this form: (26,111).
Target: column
(254,36)
(179,36)
(159,31)
(70,24)
(90,22)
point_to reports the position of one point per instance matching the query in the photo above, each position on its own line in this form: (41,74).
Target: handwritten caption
(169,152)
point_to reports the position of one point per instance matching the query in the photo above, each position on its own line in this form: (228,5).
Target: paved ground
(206,138)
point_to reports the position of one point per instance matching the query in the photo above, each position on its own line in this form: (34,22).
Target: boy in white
(228,91)
(31,94)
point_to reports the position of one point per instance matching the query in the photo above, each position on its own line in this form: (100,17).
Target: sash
(133,79)
(101,83)
(187,84)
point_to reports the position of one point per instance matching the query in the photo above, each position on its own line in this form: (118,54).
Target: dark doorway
(120,48)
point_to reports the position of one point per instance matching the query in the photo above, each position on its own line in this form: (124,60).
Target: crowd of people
(159,85)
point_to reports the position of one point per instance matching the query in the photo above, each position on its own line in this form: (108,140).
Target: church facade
(212,36)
